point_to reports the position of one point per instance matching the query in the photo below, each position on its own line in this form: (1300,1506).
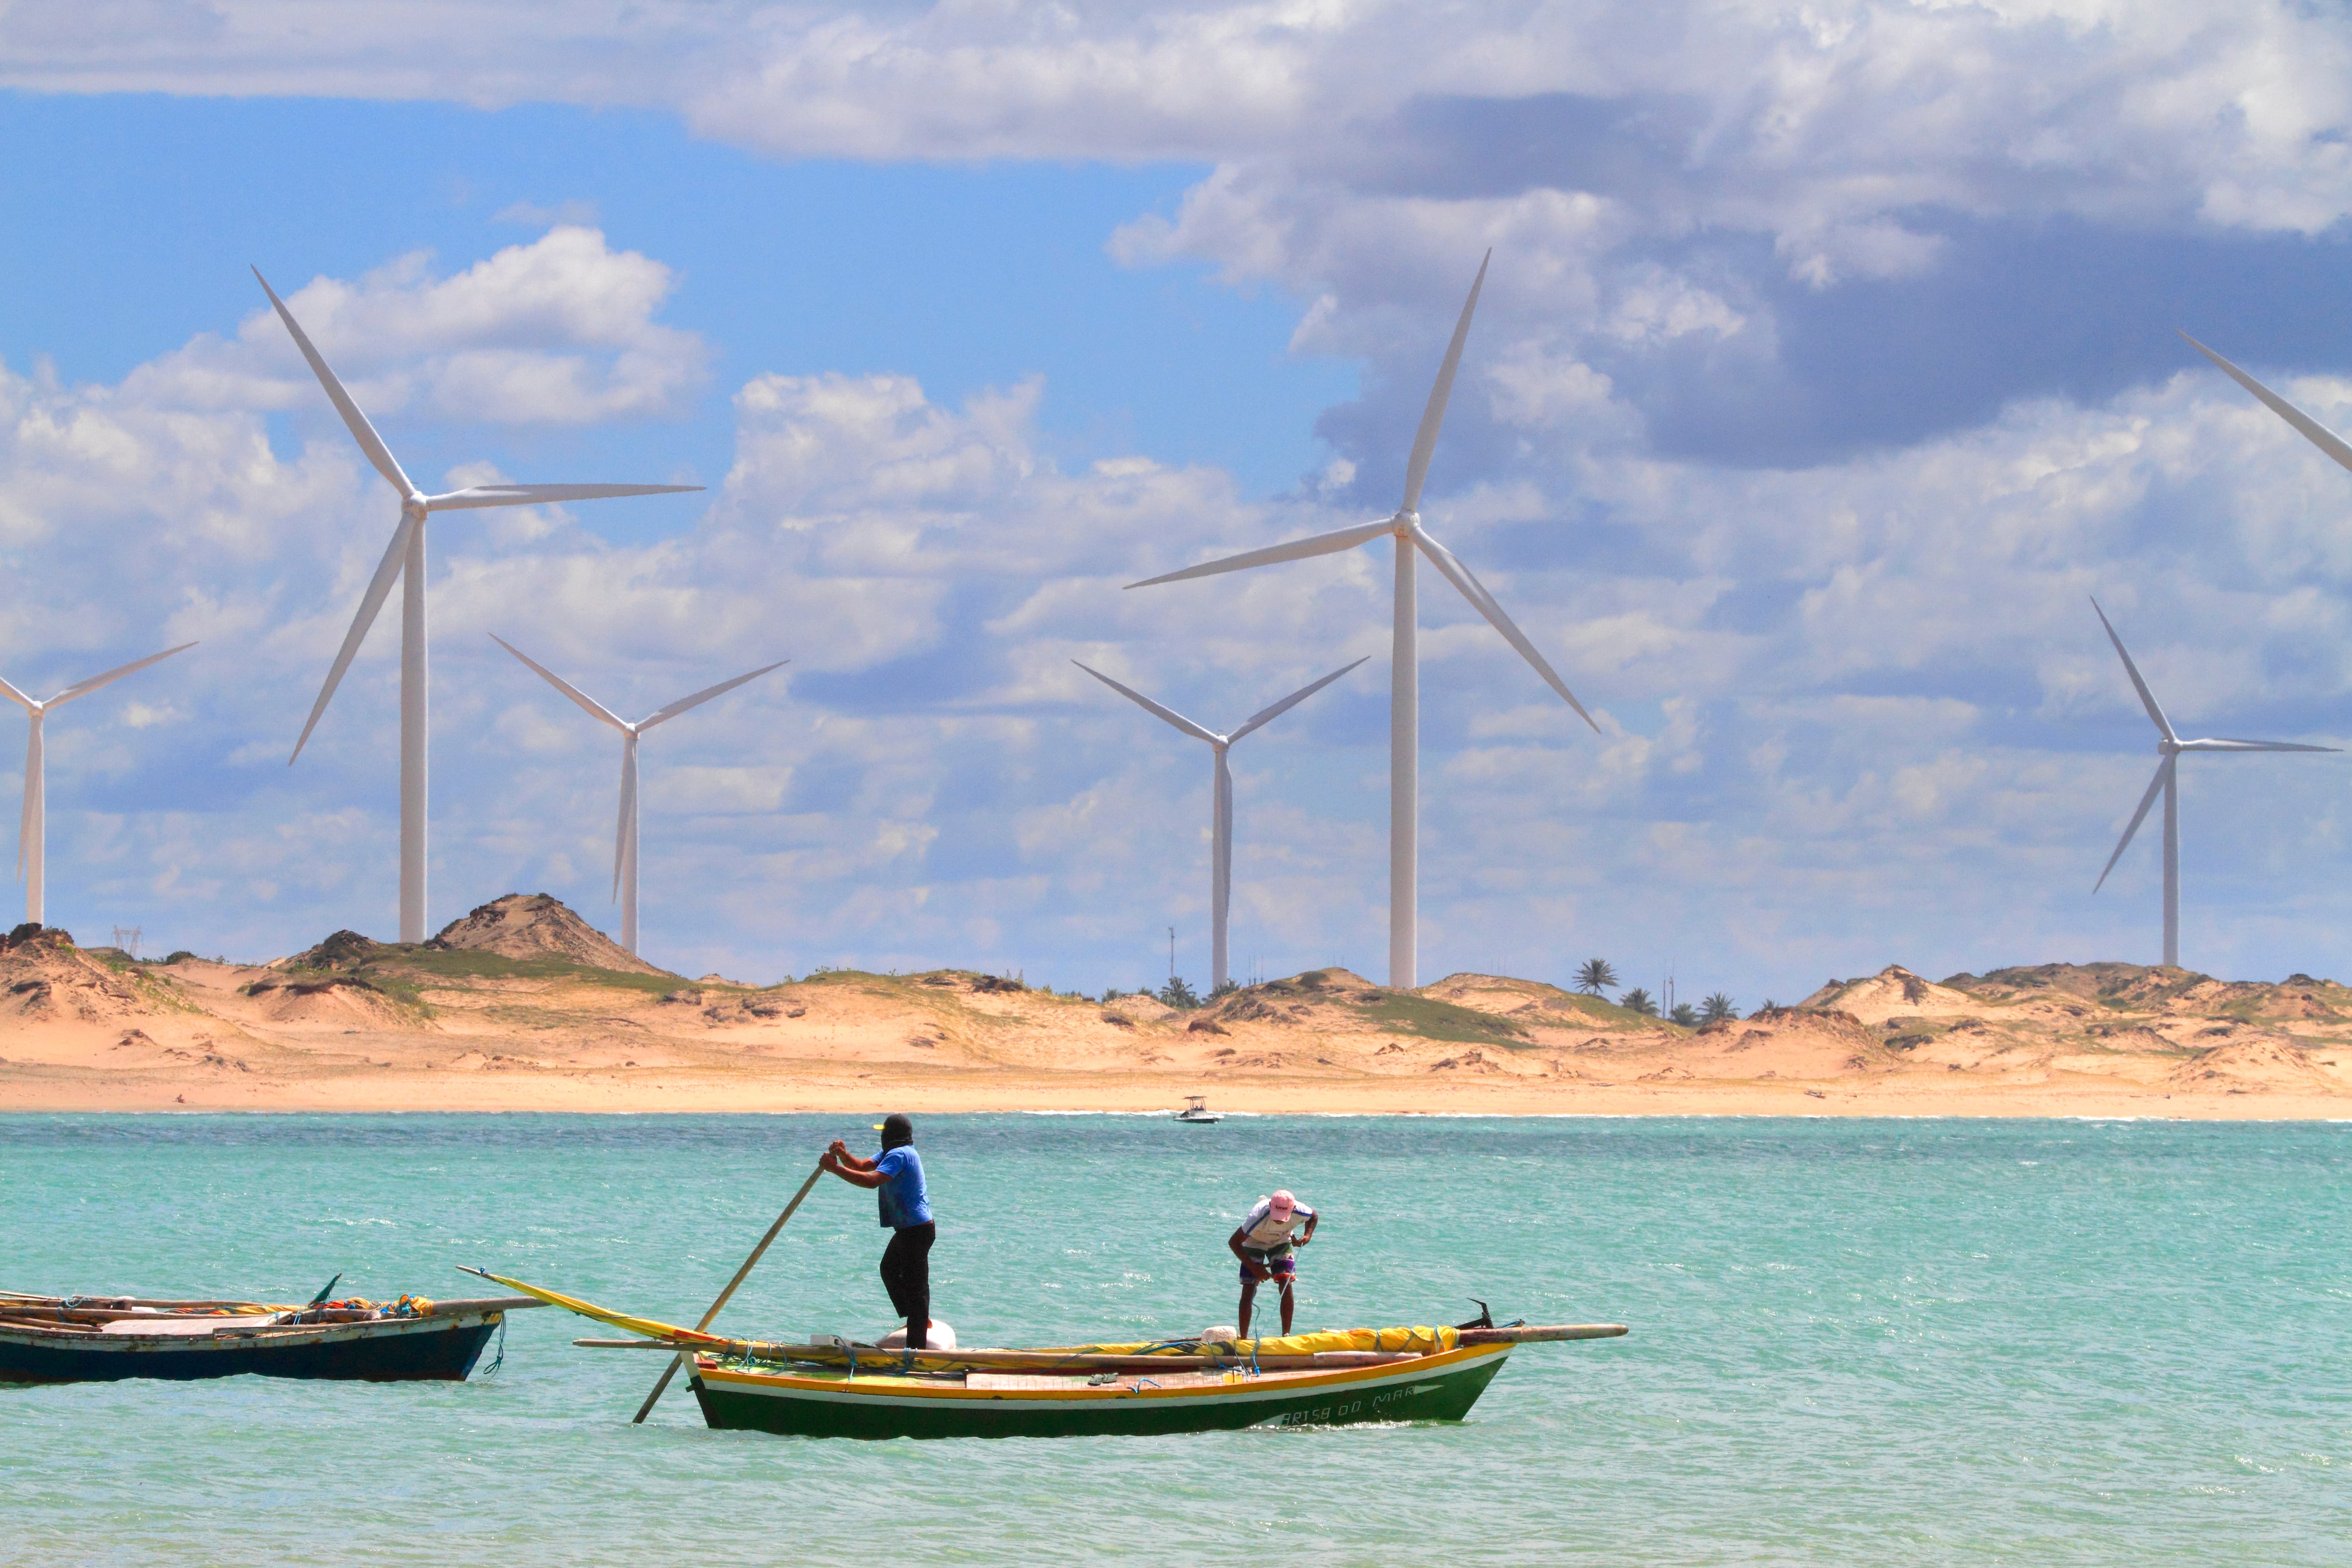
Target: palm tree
(1685,1015)
(1594,976)
(1716,1008)
(1638,1000)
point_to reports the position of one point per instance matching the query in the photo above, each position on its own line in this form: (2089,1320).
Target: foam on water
(1923,1342)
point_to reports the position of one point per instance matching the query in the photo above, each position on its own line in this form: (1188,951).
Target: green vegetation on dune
(467,964)
(1598,1007)
(397,970)
(1400,1013)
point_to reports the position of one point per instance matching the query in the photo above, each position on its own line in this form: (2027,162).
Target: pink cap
(1282,1202)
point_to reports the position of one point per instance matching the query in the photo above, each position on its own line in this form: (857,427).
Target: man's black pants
(906,1275)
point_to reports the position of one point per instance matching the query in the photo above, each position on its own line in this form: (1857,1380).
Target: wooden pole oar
(679,1360)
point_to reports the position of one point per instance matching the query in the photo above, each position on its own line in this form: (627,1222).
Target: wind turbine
(2318,434)
(1221,819)
(32,832)
(404,559)
(2168,749)
(1404,679)
(625,837)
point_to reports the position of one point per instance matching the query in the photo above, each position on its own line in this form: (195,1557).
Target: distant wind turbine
(625,837)
(1404,678)
(404,559)
(2168,749)
(1221,819)
(32,832)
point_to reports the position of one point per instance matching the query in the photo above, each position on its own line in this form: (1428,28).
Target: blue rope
(500,1359)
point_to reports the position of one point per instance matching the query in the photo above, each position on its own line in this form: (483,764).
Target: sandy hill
(521,1004)
(1894,991)
(46,977)
(537,925)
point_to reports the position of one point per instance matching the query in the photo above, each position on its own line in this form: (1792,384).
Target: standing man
(1263,1244)
(895,1176)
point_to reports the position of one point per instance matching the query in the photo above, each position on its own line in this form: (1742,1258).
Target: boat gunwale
(73,1337)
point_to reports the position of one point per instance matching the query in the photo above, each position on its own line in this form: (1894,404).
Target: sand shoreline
(523,1007)
(63,1093)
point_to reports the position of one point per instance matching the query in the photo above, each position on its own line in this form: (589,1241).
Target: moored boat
(104,1338)
(1196,1109)
(830,1387)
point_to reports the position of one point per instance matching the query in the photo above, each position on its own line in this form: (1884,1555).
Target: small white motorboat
(1196,1109)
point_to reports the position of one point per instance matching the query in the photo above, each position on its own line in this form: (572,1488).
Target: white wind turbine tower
(404,559)
(1221,815)
(2168,749)
(1404,679)
(32,832)
(625,837)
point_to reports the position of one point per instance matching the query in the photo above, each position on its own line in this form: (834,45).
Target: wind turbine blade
(83,688)
(538,494)
(1171,715)
(13,694)
(2318,434)
(1484,602)
(595,708)
(2155,786)
(665,715)
(2146,697)
(1297,550)
(628,810)
(2227,745)
(387,572)
(362,431)
(1268,715)
(1424,440)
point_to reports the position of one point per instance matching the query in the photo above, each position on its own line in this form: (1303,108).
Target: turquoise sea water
(1914,1342)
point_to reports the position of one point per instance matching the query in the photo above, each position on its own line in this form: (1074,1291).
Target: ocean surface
(1898,1341)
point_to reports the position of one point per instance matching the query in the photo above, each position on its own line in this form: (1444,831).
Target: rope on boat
(500,1359)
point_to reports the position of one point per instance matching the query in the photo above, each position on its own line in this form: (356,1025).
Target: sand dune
(523,1006)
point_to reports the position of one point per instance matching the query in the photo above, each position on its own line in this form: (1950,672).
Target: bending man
(896,1175)
(1263,1244)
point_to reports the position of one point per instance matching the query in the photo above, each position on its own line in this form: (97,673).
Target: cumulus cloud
(559,332)
(1668,184)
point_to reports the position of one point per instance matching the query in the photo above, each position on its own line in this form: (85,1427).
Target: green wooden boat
(831,1388)
(745,1393)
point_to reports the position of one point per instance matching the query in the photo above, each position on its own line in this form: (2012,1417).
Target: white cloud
(558,331)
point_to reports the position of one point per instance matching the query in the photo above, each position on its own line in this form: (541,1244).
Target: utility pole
(1171,954)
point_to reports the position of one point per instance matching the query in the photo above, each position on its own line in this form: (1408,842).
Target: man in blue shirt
(895,1176)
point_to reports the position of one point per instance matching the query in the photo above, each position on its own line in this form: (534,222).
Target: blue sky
(1827,365)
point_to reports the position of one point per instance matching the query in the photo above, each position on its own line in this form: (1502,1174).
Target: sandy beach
(521,1006)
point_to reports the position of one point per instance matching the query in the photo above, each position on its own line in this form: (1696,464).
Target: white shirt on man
(1262,1232)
